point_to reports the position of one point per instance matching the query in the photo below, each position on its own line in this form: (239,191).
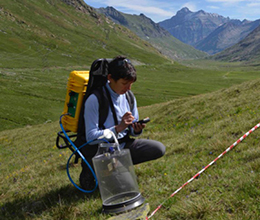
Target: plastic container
(116,178)
(76,89)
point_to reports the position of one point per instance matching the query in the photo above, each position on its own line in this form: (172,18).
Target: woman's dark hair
(121,68)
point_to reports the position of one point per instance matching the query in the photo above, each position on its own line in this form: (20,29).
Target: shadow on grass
(33,206)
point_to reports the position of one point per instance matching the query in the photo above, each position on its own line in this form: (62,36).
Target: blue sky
(159,10)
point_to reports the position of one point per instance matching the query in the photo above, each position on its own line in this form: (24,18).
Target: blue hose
(83,158)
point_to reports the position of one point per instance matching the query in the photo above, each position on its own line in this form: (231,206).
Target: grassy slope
(41,43)
(35,96)
(195,130)
(51,33)
(160,83)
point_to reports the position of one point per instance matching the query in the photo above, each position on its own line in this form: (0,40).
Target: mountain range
(208,32)
(57,32)
(246,50)
(149,31)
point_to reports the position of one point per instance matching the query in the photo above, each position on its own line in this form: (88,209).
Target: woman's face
(120,86)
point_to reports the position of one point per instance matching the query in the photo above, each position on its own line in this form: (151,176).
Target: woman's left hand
(138,127)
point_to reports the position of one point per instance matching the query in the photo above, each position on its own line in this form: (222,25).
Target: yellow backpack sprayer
(76,89)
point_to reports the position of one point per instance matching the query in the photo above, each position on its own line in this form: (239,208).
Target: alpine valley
(211,33)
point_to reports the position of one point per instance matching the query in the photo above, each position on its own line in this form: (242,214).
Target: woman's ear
(109,77)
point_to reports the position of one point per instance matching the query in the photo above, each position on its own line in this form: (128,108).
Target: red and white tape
(212,162)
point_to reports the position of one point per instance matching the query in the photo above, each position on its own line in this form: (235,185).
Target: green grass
(34,184)
(41,43)
(39,50)
(160,83)
(45,34)
(34,95)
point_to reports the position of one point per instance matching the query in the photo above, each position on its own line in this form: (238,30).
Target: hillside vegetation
(35,96)
(34,184)
(42,42)
(53,33)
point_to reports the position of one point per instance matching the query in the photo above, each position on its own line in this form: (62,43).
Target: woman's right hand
(127,120)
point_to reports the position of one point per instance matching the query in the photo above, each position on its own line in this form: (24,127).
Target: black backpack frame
(96,85)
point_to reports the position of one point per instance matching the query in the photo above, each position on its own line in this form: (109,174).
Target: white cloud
(254,4)
(191,6)
(213,7)
(153,9)
(148,10)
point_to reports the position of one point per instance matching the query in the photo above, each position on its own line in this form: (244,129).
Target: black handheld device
(144,121)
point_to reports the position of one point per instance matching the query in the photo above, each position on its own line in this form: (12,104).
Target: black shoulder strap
(111,105)
(130,98)
(103,106)
(105,100)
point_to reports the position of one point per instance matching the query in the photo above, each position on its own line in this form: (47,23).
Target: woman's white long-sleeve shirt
(91,116)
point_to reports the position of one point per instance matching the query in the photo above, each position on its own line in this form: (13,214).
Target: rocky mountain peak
(192,27)
(82,7)
(183,12)
(113,14)
(201,12)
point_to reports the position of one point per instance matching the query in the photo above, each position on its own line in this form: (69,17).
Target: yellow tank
(76,89)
